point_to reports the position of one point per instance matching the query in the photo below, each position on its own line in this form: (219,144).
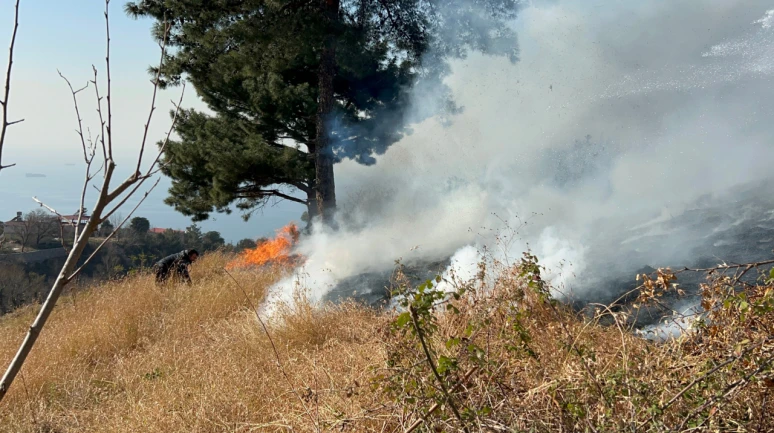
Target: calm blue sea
(61,189)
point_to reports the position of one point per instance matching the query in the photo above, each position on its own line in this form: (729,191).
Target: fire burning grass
(277,251)
(127,357)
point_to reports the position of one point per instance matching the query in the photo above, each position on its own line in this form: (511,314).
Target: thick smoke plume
(618,118)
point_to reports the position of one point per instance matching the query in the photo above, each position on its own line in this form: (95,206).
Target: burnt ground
(736,228)
(373,288)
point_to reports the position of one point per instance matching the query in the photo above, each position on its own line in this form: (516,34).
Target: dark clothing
(175,264)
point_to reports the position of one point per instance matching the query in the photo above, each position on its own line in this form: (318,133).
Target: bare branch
(92,153)
(123,187)
(4,102)
(115,230)
(153,99)
(169,131)
(61,224)
(93,175)
(50,209)
(157,170)
(77,230)
(724,267)
(88,153)
(137,182)
(101,138)
(151,170)
(79,131)
(107,66)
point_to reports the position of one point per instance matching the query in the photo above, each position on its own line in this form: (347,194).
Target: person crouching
(175,265)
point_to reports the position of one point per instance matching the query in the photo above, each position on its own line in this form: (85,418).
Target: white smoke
(768,19)
(616,118)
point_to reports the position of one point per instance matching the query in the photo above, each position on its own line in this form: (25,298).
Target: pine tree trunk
(311,205)
(324,182)
(311,208)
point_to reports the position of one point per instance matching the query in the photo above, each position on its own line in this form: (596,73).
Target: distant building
(14,226)
(17,226)
(72,220)
(159,231)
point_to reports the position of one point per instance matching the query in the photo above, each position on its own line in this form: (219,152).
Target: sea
(59,186)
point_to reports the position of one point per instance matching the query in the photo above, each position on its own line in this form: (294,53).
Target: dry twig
(5,123)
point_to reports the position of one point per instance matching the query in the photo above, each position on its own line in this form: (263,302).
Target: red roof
(160,230)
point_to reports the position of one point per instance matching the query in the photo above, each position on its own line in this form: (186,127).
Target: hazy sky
(70,36)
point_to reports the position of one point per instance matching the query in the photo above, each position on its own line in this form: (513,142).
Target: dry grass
(131,357)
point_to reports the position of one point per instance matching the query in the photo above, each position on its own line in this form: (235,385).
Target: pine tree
(298,85)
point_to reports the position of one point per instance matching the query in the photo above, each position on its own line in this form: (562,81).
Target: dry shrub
(129,356)
(523,362)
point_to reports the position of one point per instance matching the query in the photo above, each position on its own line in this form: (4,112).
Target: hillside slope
(130,357)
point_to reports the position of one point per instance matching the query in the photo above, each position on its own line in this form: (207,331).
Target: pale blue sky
(70,36)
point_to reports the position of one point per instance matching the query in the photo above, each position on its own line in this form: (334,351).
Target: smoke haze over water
(617,119)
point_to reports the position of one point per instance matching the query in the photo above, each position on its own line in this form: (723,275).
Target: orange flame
(274,251)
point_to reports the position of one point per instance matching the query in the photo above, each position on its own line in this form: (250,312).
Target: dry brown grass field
(128,356)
